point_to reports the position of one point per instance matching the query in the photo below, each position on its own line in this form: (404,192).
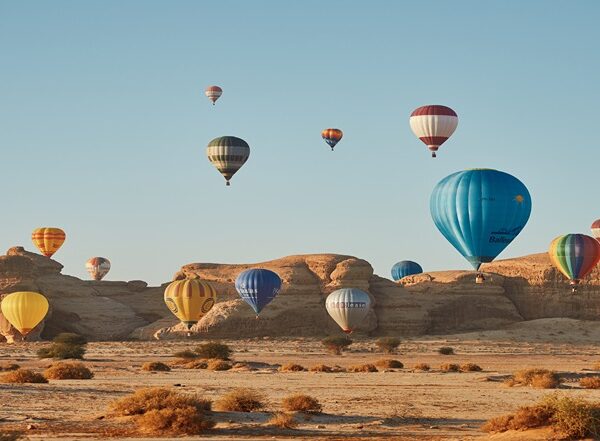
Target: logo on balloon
(172,305)
(207,305)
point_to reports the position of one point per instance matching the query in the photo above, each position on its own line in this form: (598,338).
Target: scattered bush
(446,350)
(69,338)
(155,366)
(187,354)
(145,400)
(363,368)
(214,350)
(301,403)
(526,417)
(12,436)
(9,367)
(62,351)
(185,420)
(195,364)
(283,421)
(22,376)
(218,365)
(387,363)
(336,345)
(450,367)
(538,378)
(68,371)
(292,367)
(470,367)
(321,368)
(241,400)
(422,367)
(590,382)
(388,344)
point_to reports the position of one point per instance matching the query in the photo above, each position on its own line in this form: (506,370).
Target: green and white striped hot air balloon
(228,154)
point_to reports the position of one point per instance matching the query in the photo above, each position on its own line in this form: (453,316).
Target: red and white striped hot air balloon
(213,93)
(596,229)
(98,267)
(433,125)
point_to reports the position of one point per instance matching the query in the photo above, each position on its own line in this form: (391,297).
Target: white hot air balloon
(348,307)
(433,125)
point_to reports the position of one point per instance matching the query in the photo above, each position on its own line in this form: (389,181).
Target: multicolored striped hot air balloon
(190,300)
(213,93)
(480,212)
(575,255)
(258,287)
(228,154)
(98,267)
(405,268)
(348,307)
(433,125)
(596,229)
(332,136)
(24,310)
(48,240)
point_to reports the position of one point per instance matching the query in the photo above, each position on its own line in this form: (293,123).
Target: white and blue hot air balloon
(348,307)
(258,287)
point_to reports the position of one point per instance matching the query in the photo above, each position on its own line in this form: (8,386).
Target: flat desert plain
(389,404)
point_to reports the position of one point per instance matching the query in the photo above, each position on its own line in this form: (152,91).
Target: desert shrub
(157,398)
(22,376)
(218,365)
(387,363)
(524,418)
(241,399)
(62,351)
(363,368)
(422,367)
(301,403)
(155,366)
(470,367)
(69,338)
(187,354)
(321,368)
(388,344)
(283,421)
(292,367)
(214,350)
(446,350)
(590,382)
(195,364)
(336,345)
(538,378)
(11,435)
(183,420)
(9,367)
(68,371)
(450,367)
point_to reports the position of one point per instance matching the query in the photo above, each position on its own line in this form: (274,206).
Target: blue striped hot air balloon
(480,212)
(405,268)
(258,287)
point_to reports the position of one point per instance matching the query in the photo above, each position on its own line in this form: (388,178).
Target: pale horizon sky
(104,125)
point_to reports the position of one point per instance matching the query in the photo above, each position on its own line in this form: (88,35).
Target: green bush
(336,345)
(446,350)
(62,351)
(187,354)
(70,338)
(388,344)
(213,350)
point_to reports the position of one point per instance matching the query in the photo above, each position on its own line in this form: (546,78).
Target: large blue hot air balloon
(405,268)
(480,212)
(257,287)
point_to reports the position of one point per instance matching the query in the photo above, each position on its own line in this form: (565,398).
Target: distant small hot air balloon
(190,299)
(258,287)
(596,229)
(48,240)
(433,125)
(24,310)
(98,267)
(228,154)
(575,255)
(348,307)
(405,268)
(332,136)
(213,93)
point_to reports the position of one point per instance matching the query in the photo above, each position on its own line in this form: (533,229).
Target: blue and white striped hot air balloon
(405,268)
(258,287)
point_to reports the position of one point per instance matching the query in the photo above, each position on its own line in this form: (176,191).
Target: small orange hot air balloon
(48,240)
(332,136)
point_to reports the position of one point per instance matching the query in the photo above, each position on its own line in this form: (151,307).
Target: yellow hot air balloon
(190,300)
(48,240)
(24,310)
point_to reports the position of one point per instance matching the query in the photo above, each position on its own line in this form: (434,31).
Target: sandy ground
(400,404)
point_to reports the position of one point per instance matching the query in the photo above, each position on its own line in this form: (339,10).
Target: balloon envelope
(98,267)
(213,93)
(433,125)
(189,300)
(575,255)
(228,154)
(24,310)
(348,307)
(405,268)
(258,287)
(48,240)
(480,212)
(596,229)
(332,136)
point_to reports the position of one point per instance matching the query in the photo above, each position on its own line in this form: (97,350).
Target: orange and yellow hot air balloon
(332,136)
(24,310)
(48,240)
(190,300)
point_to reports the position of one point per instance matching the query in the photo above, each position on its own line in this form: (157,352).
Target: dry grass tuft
(292,367)
(301,403)
(387,363)
(388,344)
(590,382)
(68,371)
(321,368)
(218,365)
(62,351)
(195,364)
(186,355)
(422,367)
(214,350)
(144,400)
(470,367)
(446,350)
(538,378)
(12,436)
(184,420)
(22,376)
(363,368)
(336,345)
(524,418)
(155,366)
(9,367)
(283,421)
(241,400)
(450,367)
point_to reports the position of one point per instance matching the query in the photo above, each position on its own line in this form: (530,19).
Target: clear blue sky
(104,125)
